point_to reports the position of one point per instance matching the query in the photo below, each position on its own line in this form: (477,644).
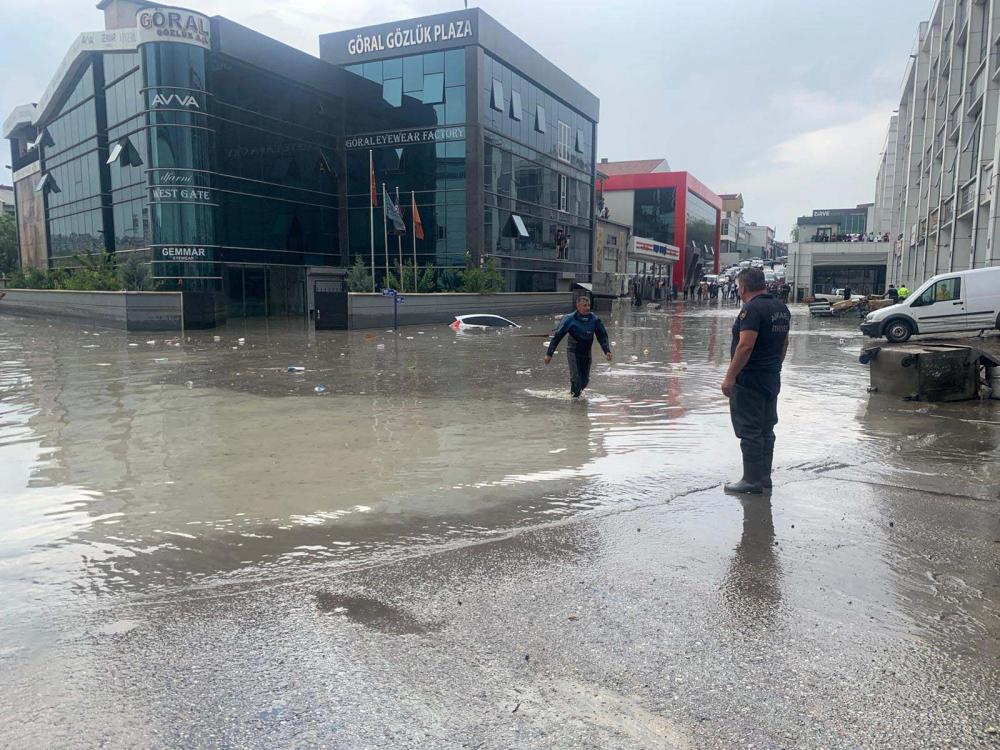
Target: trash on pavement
(319,389)
(292,368)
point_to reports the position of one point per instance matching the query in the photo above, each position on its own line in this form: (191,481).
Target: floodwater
(136,467)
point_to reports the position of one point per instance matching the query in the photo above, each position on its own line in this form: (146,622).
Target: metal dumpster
(926,372)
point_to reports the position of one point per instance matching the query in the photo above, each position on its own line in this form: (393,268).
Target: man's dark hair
(752,279)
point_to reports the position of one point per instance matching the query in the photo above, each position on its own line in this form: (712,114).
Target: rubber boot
(750,483)
(765,471)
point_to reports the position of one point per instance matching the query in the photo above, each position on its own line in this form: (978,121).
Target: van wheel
(898,331)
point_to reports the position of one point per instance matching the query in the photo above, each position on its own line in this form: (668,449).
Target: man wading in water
(582,327)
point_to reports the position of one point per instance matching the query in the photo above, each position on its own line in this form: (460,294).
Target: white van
(959,301)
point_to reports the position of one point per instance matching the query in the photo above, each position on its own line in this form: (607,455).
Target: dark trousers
(754,414)
(579,370)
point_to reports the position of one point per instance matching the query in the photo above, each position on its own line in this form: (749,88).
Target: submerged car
(473,322)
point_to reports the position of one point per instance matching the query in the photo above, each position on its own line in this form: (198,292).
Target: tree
(402,281)
(8,245)
(358,278)
(486,279)
(135,276)
(95,274)
(794,234)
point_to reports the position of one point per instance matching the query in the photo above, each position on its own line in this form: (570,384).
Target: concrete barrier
(375,311)
(123,311)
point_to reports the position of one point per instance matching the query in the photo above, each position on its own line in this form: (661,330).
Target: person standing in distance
(760,343)
(582,327)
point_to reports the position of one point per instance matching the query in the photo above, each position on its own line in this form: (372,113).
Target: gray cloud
(784,100)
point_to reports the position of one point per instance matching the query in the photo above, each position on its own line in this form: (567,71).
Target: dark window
(578,146)
(496,96)
(515,105)
(654,214)
(433,88)
(392,91)
(539,118)
(946,290)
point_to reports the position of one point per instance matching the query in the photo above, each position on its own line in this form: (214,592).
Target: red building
(670,207)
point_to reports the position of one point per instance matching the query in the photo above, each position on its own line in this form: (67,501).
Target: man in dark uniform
(760,342)
(582,327)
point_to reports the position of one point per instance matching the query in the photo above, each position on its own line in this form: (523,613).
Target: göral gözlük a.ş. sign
(173,25)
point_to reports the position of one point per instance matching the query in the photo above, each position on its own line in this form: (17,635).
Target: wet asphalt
(440,549)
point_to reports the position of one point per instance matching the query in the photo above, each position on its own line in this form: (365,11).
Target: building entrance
(264,291)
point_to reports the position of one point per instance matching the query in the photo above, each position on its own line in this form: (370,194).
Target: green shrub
(135,276)
(358,278)
(486,279)
(402,281)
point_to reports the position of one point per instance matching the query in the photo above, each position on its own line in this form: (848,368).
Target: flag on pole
(418,227)
(371,163)
(393,214)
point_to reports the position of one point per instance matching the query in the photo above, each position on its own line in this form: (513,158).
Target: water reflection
(752,585)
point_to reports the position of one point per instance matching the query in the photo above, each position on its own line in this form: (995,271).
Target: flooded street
(421,540)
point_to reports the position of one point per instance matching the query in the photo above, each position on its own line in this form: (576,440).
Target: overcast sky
(786,101)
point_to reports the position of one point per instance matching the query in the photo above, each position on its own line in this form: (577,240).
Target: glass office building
(241,169)
(511,161)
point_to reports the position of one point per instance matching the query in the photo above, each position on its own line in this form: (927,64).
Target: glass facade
(72,160)
(701,220)
(232,180)
(654,215)
(413,94)
(538,165)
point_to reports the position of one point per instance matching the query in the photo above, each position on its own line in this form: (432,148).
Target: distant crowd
(649,288)
(870,237)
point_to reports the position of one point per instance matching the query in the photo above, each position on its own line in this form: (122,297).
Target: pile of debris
(856,307)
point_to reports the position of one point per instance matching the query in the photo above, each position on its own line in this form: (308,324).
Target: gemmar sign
(173,25)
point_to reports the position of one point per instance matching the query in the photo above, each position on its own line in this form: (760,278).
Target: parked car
(948,302)
(473,322)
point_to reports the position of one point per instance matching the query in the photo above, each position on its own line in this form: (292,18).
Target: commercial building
(942,208)
(732,228)
(241,168)
(670,208)
(885,182)
(820,262)
(6,200)
(825,224)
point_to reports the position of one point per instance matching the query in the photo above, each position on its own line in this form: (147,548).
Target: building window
(392,91)
(563,192)
(515,105)
(433,88)
(126,153)
(563,146)
(578,146)
(539,118)
(496,97)
(47,183)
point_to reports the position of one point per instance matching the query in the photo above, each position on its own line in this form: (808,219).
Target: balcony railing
(947,211)
(967,197)
(977,86)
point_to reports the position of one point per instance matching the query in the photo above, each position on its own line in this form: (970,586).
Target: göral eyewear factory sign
(403,138)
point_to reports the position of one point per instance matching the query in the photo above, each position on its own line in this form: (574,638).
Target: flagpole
(371,212)
(385,234)
(399,241)
(413,202)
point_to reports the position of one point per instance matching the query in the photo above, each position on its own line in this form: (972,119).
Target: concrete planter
(375,311)
(123,311)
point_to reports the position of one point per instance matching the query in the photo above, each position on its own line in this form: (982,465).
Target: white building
(942,176)
(885,182)
(6,200)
